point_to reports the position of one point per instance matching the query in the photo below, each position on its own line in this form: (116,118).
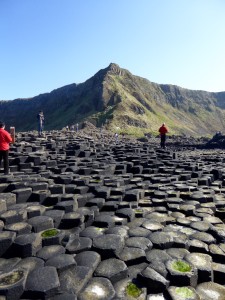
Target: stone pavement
(85,217)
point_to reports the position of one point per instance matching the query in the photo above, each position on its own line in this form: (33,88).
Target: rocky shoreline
(85,217)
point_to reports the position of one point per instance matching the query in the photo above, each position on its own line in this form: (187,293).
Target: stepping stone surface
(115,213)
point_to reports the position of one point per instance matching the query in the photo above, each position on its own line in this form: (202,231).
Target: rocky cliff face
(115,98)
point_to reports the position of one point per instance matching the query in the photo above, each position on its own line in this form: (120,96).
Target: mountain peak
(114,68)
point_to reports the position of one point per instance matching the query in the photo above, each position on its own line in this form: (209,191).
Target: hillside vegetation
(121,102)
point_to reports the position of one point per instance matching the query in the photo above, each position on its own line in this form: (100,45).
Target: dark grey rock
(154,281)
(104,221)
(74,279)
(27,245)
(126,213)
(218,273)
(42,282)
(70,220)
(49,251)
(22,194)
(107,245)
(41,223)
(84,244)
(161,240)
(30,263)
(92,232)
(113,269)
(121,289)
(13,216)
(88,259)
(181,278)
(97,288)
(157,254)
(139,232)
(6,240)
(61,262)
(177,293)
(203,263)
(208,290)
(7,265)
(139,242)
(19,228)
(12,283)
(131,255)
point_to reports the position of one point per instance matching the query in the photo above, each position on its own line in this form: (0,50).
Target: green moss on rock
(11,278)
(184,292)
(132,290)
(181,266)
(49,233)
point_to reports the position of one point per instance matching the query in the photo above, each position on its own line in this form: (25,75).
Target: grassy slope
(190,118)
(124,103)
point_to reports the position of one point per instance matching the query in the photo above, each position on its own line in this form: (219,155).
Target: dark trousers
(40,128)
(4,154)
(163,141)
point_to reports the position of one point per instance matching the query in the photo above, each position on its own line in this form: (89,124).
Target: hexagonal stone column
(12,284)
(42,283)
(98,288)
(107,245)
(113,269)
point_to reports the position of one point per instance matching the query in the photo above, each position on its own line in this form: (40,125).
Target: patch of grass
(132,290)
(49,233)
(11,278)
(184,292)
(181,266)
(221,209)
(100,229)
(102,117)
(95,180)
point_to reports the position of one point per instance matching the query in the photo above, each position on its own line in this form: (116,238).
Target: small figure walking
(5,140)
(77,127)
(41,119)
(163,130)
(116,137)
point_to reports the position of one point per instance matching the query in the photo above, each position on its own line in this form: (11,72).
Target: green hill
(120,101)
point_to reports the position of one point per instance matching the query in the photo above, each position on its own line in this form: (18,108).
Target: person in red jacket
(5,140)
(163,131)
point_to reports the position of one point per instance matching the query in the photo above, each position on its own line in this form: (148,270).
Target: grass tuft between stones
(184,292)
(49,233)
(132,290)
(11,278)
(100,229)
(181,266)
(222,209)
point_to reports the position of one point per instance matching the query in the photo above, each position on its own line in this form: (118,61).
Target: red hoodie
(163,130)
(5,139)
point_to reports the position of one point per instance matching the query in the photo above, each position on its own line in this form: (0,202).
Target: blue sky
(46,44)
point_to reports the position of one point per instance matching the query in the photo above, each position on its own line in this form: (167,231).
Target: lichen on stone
(49,233)
(181,266)
(132,290)
(11,278)
(184,292)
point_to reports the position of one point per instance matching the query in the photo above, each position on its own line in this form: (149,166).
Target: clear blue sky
(46,44)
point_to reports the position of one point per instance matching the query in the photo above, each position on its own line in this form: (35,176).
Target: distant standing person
(41,119)
(77,127)
(5,140)
(163,130)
